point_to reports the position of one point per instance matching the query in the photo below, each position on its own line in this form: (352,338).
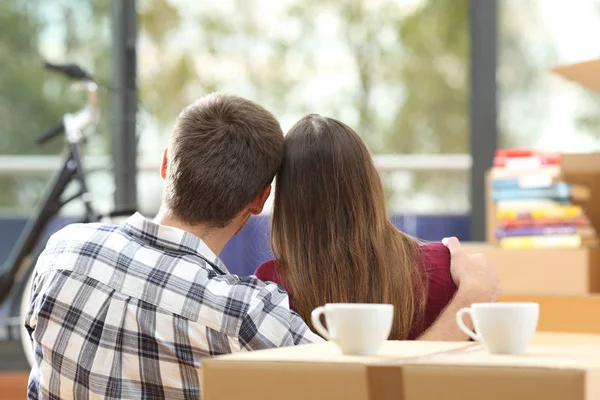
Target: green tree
(32,100)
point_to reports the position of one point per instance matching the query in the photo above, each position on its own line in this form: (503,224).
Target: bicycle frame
(52,203)
(72,169)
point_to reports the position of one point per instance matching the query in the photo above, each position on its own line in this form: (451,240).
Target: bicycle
(17,271)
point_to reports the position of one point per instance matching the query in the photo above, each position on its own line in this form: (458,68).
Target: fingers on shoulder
(453,244)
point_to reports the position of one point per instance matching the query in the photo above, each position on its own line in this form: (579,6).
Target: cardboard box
(584,169)
(543,271)
(406,371)
(559,338)
(565,313)
(586,73)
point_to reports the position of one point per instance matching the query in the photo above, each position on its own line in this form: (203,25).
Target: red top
(435,262)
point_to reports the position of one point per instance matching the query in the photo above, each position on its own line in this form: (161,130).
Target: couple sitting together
(129,311)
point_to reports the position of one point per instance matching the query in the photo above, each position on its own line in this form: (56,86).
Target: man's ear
(256,206)
(163,164)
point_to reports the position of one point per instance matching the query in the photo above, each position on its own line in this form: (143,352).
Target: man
(128,311)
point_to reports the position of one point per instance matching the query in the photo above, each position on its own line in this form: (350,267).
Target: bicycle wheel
(23,307)
(20,306)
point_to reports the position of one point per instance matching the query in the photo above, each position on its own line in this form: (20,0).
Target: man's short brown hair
(223,151)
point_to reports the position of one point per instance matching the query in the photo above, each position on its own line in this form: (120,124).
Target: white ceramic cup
(503,328)
(357,329)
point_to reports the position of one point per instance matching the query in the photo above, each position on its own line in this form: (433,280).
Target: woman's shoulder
(435,256)
(435,262)
(267,271)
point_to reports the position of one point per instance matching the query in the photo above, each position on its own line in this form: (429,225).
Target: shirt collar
(173,239)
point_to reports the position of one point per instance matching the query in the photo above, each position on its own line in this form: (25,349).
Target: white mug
(357,329)
(503,328)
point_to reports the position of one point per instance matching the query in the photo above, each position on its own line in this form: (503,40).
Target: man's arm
(477,282)
(445,328)
(270,323)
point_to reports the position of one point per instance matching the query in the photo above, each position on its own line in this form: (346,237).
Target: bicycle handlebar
(72,124)
(51,133)
(72,71)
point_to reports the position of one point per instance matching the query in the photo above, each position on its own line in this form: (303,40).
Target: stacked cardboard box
(560,367)
(565,272)
(533,202)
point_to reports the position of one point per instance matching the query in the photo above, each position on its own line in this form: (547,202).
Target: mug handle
(461,324)
(315,317)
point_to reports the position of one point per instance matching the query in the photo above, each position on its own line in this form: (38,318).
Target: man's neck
(215,239)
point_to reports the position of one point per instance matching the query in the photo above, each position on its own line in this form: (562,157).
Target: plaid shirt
(128,312)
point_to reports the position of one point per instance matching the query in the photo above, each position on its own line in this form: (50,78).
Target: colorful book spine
(530,222)
(534,203)
(540,213)
(523,182)
(531,162)
(560,191)
(537,231)
(552,171)
(525,205)
(542,242)
(515,153)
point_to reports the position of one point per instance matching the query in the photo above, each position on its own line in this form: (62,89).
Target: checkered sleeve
(270,322)
(30,315)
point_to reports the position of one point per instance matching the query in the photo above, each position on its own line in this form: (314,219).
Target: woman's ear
(163,164)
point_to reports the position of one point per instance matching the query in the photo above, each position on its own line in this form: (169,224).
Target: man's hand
(476,281)
(472,274)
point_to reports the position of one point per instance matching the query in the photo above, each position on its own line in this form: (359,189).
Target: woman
(334,241)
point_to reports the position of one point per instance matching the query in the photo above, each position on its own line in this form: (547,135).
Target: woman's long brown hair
(331,231)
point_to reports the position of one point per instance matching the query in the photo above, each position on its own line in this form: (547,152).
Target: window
(536,107)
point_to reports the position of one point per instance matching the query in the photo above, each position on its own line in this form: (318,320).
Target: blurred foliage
(25,109)
(399,72)
(590,120)
(32,100)
(408,70)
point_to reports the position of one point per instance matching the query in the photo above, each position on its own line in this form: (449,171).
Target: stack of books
(534,206)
